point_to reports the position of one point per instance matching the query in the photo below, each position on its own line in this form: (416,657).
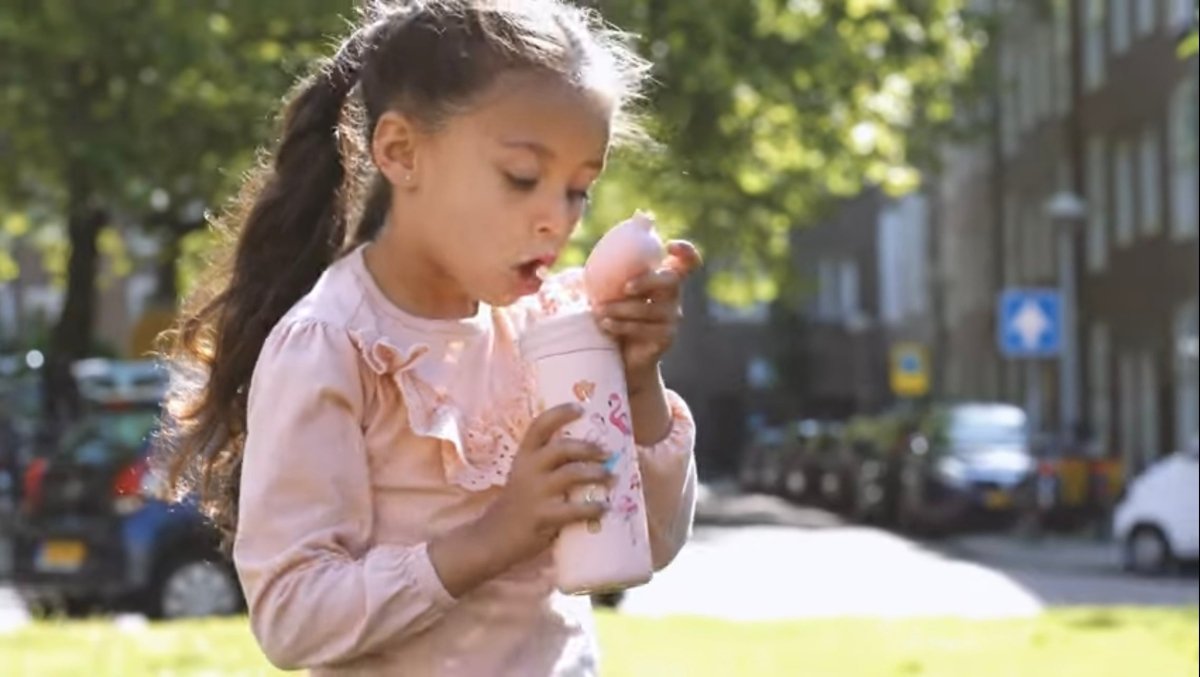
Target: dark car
(965,466)
(88,533)
(943,468)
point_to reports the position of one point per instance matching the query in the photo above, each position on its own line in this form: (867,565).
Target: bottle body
(574,361)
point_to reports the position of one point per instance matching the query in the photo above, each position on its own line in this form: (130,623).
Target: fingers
(566,451)
(663,283)
(643,333)
(683,257)
(562,514)
(579,473)
(638,310)
(549,422)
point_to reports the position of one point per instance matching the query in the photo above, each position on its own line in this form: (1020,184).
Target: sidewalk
(1058,553)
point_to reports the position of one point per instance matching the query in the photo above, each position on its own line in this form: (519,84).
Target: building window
(827,289)
(1150,188)
(1182,14)
(1062,56)
(1187,377)
(1123,192)
(1097,199)
(1185,203)
(848,290)
(1146,16)
(1118,25)
(1100,382)
(1094,56)
(838,297)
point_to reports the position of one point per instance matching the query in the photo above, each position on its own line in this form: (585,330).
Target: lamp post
(1067,211)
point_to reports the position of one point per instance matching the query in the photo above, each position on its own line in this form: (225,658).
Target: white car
(1157,524)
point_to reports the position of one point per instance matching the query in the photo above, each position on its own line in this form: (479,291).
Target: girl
(363,406)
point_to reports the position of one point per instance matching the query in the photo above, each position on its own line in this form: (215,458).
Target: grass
(1086,642)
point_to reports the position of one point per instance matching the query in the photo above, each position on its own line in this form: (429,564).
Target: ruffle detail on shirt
(481,448)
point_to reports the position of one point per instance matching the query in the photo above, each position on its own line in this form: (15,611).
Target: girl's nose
(556,220)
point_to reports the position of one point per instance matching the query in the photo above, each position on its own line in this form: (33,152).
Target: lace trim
(481,447)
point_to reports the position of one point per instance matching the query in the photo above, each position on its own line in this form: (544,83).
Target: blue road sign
(1030,323)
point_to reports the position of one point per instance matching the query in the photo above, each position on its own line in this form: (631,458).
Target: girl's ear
(394,150)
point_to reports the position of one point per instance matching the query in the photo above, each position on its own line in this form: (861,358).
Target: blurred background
(943,354)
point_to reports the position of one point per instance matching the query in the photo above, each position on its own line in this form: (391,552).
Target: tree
(125,111)
(768,109)
(145,112)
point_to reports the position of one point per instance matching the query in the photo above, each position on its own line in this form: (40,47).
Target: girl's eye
(579,195)
(521,183)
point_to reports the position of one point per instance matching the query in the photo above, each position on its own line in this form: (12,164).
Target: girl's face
(494,194)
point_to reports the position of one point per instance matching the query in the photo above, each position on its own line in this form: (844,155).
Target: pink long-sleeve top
(370,432)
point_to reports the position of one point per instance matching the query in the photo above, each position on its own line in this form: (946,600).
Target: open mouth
(535,271)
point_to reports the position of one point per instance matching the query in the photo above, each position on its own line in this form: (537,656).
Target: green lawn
(1088,643)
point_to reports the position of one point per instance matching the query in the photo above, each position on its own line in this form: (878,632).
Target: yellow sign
(909,370)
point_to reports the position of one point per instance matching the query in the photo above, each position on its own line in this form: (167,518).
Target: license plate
(61,556)
(997,500)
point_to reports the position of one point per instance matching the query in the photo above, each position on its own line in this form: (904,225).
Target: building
(1092,100)
(865,270)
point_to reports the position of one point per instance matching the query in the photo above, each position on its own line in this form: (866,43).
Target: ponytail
(290,225)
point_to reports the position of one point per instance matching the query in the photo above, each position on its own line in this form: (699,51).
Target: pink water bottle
(574,361)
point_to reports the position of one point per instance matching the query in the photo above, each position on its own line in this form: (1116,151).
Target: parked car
(89,532)
(970,461)
(818,467)
(877,445)
(761,467)
(941,469)
(1157,522)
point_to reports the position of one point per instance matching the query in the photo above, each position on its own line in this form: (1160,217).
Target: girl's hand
(646,320)
(533,506)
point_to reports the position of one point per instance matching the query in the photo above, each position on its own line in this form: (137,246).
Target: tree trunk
(72,336)
(167,288)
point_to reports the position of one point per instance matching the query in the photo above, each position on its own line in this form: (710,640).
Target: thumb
(683,257)
(549,422)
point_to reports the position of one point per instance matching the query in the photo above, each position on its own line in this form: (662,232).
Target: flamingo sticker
(627,509)
(618,416)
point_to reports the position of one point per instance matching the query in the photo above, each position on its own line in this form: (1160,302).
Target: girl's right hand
(533,506)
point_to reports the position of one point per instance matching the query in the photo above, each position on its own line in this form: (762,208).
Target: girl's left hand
(646,320)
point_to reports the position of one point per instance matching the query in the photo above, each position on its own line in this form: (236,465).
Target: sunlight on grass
(1085,642)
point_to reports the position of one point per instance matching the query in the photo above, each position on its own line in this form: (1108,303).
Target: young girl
(364,407)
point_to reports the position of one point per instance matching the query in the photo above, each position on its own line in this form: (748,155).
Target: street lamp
(1067,211)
